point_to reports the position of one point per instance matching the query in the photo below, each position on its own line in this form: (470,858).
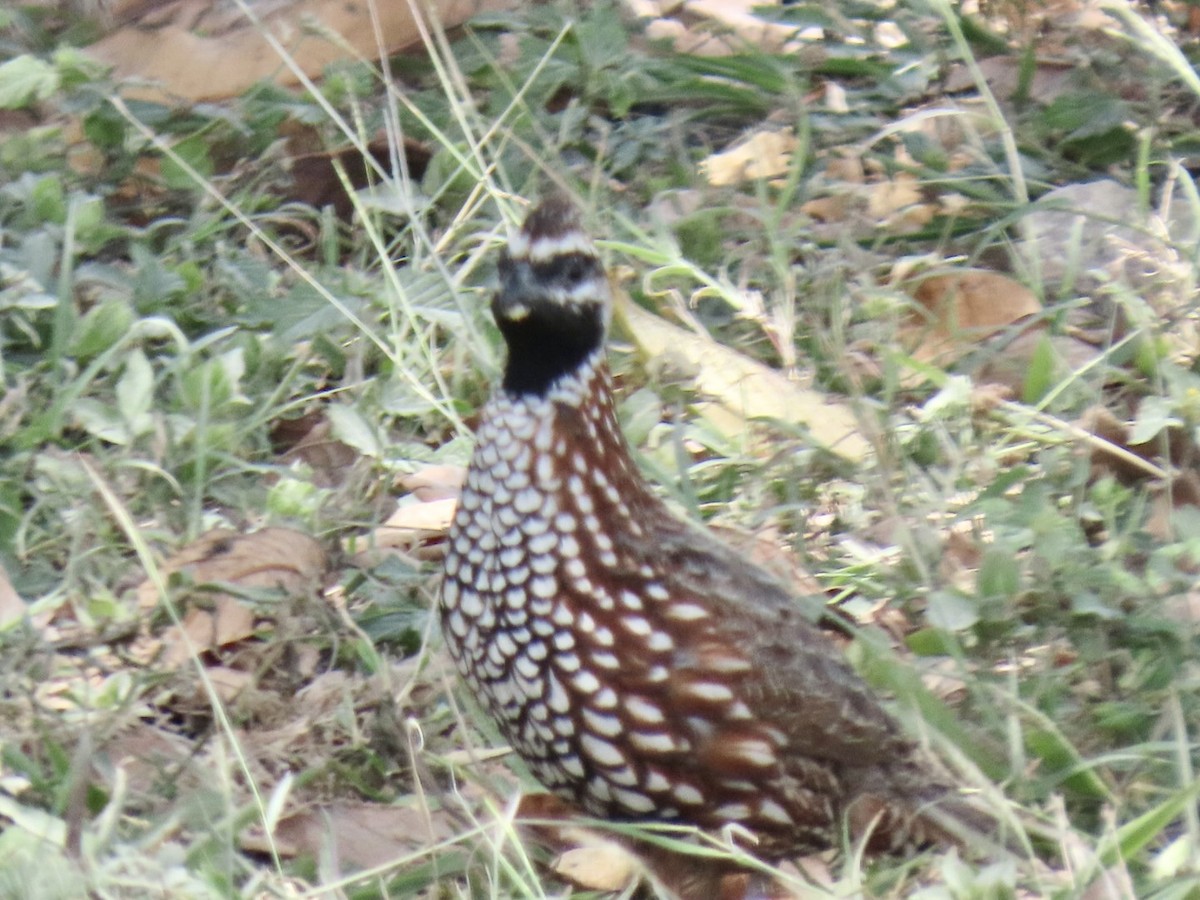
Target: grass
(188,344)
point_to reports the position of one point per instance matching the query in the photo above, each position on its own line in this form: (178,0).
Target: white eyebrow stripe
(545,248)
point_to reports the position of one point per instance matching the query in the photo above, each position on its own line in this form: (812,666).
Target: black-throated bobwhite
(640,667)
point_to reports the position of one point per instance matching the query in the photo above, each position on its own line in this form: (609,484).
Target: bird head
(554,303)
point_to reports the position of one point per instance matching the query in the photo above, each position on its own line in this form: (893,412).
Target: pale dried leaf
(740,19)
(435,483)
(414,522)
(744,388)
(764,154)
(602,866)
(12,607)
(899,204)
(228,682)
(1005,74)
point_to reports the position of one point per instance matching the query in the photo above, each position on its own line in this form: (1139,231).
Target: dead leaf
(12,607)
(603,866)
(714,27)
(743,388)
(310,440)
(268,558)
(356,835)
(199,50)
(228,682)
(899,203)
(415,522)
(960,309)
(228,622)
(1184,490)
(764,548)
(764,154)
(435,483)
(1005,74)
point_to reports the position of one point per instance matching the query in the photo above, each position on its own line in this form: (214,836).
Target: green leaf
(214,384)
(1040,377)
(135,392)
(48,201)
(193,153)
(26,79)
(351,428)
(1154,414)
(100,328)
(999,574)
(100,420)
(951,611)
(1061,758)
(1133,836)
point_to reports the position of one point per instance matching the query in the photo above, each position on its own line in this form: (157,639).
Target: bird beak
(516,290)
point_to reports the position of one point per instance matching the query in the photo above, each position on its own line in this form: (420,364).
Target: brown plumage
(643,669)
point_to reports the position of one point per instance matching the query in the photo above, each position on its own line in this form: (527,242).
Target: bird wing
(800,680)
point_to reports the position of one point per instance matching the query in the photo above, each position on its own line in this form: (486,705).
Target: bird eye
(575,270)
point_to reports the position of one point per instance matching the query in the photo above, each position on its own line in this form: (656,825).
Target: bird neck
(575,386)
(552,345)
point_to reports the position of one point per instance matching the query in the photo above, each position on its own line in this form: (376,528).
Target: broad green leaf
(1154,414)
(26,79)
(952,611)
(100,328)
(135,392)
(999,574)
(351,428)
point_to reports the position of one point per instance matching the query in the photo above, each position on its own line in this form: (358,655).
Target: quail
(641,668)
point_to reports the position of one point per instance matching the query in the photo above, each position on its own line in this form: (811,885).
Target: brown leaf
(899,202)
(310,439)
(960,309)
(270,558)
(229,622)
(743,388)
(357,835)
(714,27)
(199,50)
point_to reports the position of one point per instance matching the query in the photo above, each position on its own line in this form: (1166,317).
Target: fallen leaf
(228,622)
(357,835)
(960,309)
(764,154)
(415,522)
(899,202)
(228,682)
(310,440)
(714,27)
(271,558)
(268,558)
(435,483)
(603,866)
(12,607)
(1004,75)
(742,388)
(198,50)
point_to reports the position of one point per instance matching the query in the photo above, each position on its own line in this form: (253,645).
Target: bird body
(640,667)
